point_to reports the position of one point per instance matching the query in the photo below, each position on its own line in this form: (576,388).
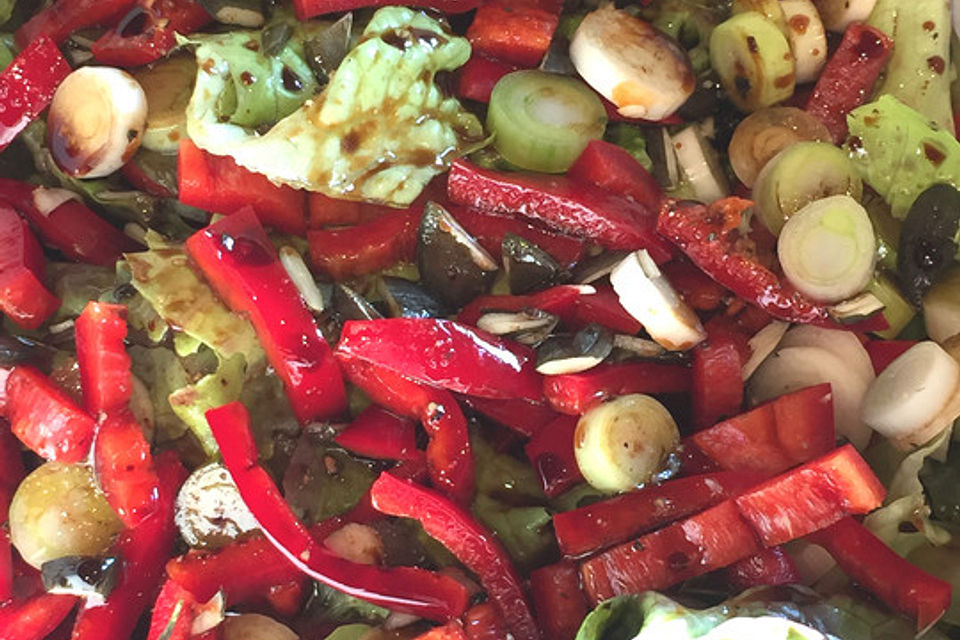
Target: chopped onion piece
(302,278)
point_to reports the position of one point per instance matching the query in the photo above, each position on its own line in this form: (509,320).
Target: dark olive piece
(452,264)
(928,240)
(18,350)
(350,305)
(406,299)
(81,575)
(326,50)
(571,354)
(529,268)
(275,38)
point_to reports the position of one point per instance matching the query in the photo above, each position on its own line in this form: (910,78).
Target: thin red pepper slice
(218,184)
(577,393)
(161,20)
(792,505)
(559,600)
(883,352)
(334,212)
(72,228)
(27,85)
(602,307)
(23,296)
(35,618)
(603,524)
(561,204)
(104,364)
(451,631)
(11,473)
(351,252)
(173,613)
(445,354)
(310,8)
(477,78)
(695,287)
(63,17)
(404,589)
(124,468)
(847,80)
(483,622)
(900,584)
(377,433)
(716,381)
(613,168)
(559,301)
(455,528)
(517,31)
(526,418)
(551,453)
(769,567)
(45,419)
(237,258)
(144,549)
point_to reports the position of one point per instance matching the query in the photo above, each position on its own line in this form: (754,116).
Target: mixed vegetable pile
(488,319)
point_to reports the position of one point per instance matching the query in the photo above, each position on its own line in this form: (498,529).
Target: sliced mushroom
(856,309)
(209,510)
(406,299)
(529,327)
(572,354)
(93,577)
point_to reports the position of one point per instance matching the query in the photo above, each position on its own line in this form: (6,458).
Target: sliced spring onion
(543,121)
(837,15)
(843,344)
(907,396)
(765,133)
(762,344)
(807,37)
(699,164)
(828,249)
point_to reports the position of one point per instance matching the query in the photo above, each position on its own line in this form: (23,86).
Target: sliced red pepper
(406,589)
(847,80)
(716,382)
(124,468)
(237,258)
(792,505)
(35,618)
(351,252)
(526,418)
(71,228)
(551,453)
(559,301)
(769,567)
(695,287)
(561,204)
(477,78)
(613,168)
(63,17)
(310,8)
(559,600)
(23,297)
(45,419)
(883,352)
(131,45)
(483,622)
(27,85)
(603,524)
(335,212)
(775,436)
(900,584)
(377,433)
(146,180)
(445,354)
(577,393)
(450,631)
(11,473)
(287,599)
(144,549)
(104,364)
(173,613)
(602,307)
(489,229)
(517,32)
(456,529)
(218,184)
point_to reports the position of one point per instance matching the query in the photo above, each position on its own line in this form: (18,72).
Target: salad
(479,320)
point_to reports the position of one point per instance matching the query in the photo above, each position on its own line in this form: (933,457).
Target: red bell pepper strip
(451,631)
(377,433)
(900,584)
(72,228)
(35,618)
(559,600)
(334,212)
(695,287)
(792,505)
(445,354)
(104,364)
(351,252)
(23,297)
(218,184)
(770,439)
(847,80)
(173,613)
(716,383)
(63,17)
(612,168)
(132,45)
(489,229)
(483,622)
(144,549)
(237,258)
(404,589)
(602,307)
(287,599)
(310,8)
(525,418)
(146,180)
(769,567)
(27,85)
(708,236)
(517,32)
(125,469)
(883,352)
(45,419)
(559,301)
(551,453)
(475,547)
(561,204)
(11,473)
(603,524)
(477,78)
(577,393)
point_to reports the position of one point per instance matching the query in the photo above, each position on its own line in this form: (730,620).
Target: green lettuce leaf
(191,403)
(379,131)
(331,607)
(350,632)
